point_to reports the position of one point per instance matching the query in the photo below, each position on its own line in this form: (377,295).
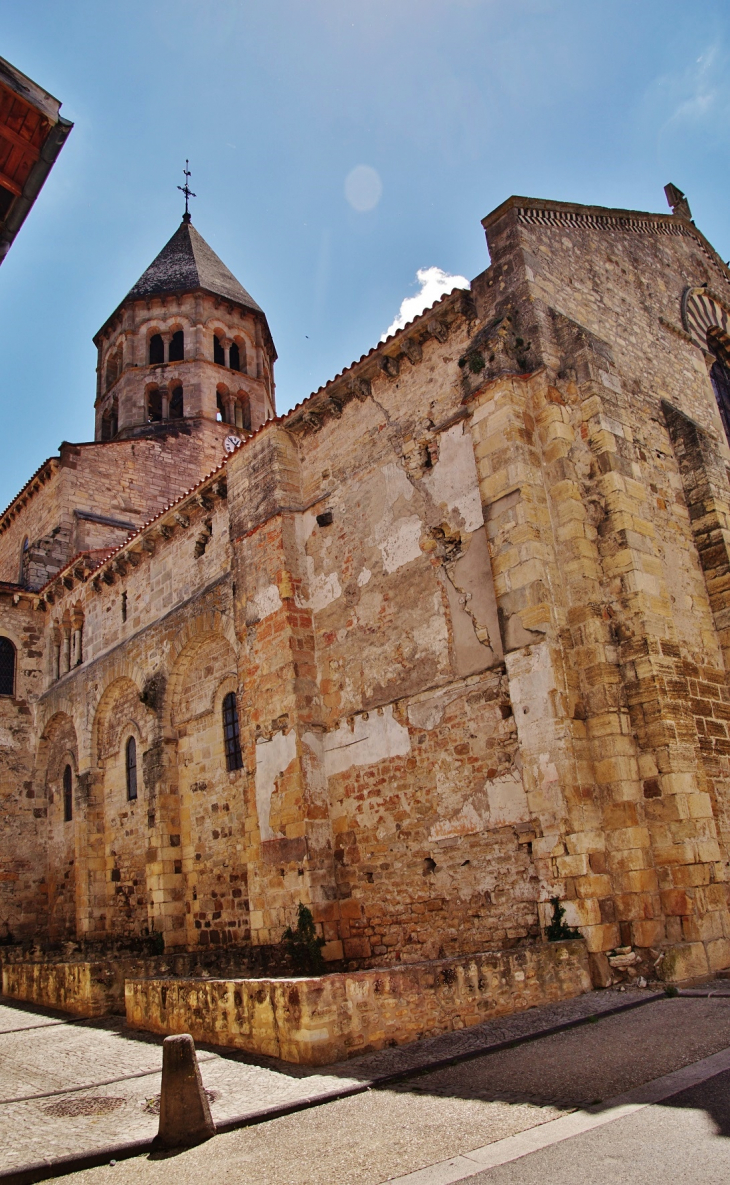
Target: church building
(447,642)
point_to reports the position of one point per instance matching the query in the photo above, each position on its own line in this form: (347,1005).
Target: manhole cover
(152,1106)
(89,1105)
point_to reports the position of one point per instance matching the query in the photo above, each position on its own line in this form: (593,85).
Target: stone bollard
(185,1117)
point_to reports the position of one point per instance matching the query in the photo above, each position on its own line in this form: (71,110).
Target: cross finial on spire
(187,191)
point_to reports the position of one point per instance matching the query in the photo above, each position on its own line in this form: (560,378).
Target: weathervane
(187,191)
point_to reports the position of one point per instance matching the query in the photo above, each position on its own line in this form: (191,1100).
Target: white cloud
(435,283)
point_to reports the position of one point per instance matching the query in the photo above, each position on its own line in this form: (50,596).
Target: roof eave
(255,312)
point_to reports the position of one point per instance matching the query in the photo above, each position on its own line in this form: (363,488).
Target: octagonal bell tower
(187,348)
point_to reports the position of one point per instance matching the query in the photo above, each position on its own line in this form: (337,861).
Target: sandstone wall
(127,482)
(23,900)
(610,571)
(327,1019)
(474,600)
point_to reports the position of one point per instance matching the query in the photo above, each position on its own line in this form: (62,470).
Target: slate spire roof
(185,263)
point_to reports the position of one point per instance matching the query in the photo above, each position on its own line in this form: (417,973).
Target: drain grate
(89,1105)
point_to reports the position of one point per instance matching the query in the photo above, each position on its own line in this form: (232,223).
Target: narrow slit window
(235,357)
(7,667)
(231,732)
(131,762)
(177,346)
(220,409)
(219,354)
(68,794)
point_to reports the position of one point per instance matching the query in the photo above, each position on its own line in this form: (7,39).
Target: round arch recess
(106,730)
(701,312)
(184,666)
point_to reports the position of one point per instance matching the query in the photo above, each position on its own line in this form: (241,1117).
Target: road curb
(59,1166)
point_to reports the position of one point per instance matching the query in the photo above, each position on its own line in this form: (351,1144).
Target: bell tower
(188,349)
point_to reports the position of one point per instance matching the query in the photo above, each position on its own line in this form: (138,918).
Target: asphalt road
(685,1139)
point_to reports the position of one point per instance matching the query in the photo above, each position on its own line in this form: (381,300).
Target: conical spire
(185,263)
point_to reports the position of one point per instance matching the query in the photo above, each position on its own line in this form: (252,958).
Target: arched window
(7,667)
(157,349)
(154,407)
(177,346)
(720,378)
(131,765)
(112,370)
(219,356)
(243,413)
(221,411)
(68,794)
(176,404)
(231,732)
(234,356)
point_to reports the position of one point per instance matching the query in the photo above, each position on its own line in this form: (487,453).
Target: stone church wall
(23,897)
(128,482)
(474,599)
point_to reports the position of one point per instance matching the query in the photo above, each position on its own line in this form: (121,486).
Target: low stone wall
(316,1021)
(81,988)
(91,983)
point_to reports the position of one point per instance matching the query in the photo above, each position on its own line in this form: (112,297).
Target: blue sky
(454,104)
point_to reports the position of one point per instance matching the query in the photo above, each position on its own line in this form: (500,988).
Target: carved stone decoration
(701,312)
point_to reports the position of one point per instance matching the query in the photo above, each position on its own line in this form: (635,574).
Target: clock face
(231,443)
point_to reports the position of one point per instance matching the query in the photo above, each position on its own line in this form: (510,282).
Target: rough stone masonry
(446,641)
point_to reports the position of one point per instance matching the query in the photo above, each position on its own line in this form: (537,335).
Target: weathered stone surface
(321,1020)
(185,1117)
(472,606)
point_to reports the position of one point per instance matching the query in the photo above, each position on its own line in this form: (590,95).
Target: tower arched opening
(157,350)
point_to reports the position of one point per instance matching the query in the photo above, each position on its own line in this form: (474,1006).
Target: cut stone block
(185,1117)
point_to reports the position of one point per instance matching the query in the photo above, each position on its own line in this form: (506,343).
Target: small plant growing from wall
(304,944)
(557,931)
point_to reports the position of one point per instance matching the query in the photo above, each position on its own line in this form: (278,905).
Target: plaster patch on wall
(507,800)
(531,687)
(368,740)
(364,577)
(6,739)
(453,481)
(434,635)
(323,588)
(399,542)
(533,694)
(272,758)
(467,822)
(305,524)
(470,655)
(428,713)
(395,484)
(548,770)
(266,601)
